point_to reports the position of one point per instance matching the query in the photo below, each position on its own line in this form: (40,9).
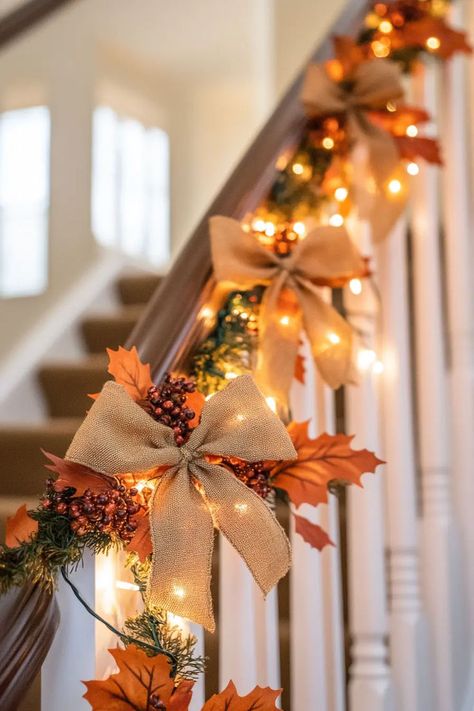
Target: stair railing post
(409,642)
(443,585)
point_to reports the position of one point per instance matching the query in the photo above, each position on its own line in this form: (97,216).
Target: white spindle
(442,578)
(409,639)
(458,236)
(72,657)
(370,680)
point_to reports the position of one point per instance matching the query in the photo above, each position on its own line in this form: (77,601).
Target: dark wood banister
(26,16)
(170,327)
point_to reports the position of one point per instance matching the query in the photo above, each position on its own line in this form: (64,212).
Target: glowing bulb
(433,43)
(355,285)
(380,49)
(241,508)
(297,168)
(270,229)
(328,143)
(378,367)
(230,375)
(285,320)
(177,621)
(124,585)
(336,220)
(340,194)
(258,225)
(208,397)
(395,186)
(206,313)
(365,358)
(391,106)
(334,338)
(386,27)
(240,417)
(412,130)
(271,402)
(413,168)
(299,228)
(179,591)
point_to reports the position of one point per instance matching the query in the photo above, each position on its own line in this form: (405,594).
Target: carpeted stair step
(101,331)
(66,385)
(23,472)
(137,288)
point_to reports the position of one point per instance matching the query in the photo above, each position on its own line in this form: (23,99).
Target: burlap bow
(370,86)
(193,496)
(325,255)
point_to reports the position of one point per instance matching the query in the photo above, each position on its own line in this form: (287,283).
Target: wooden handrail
(170,328)
(26,16)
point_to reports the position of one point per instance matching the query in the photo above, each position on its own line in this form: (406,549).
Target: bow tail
(330,337)
(280,329)
(183,538)
(248,524)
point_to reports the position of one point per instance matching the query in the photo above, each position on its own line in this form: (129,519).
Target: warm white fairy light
(412,130)
(297,169)
(433,43)
(334,338)
(258,225)
(395,186)
(271,402)
(125,585)
(179,591)
(413,168)
(336,220)
(241,507)
(355,285)
(230,375)
(386,27)
(328,143)
(299,228)
(365,358)
(341,194)
(285,320)
(270,229)
(378,367)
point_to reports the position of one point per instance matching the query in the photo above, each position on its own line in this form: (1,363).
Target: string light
(299,228)
(386,27)
(336,220)
(378,367)
(381,48)
(365,358)
(285,320)
(413,168)
(433,43)
(391,106)
(271,402)
(334,338)
(412,130)
(297,168)
(328,143)
(395,186)
(258,225)
(355,285)
(241,508)
(179,591)
(341,194)
(230,375)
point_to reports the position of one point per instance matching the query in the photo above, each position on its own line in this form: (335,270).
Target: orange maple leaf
(312,533)
(300,371)
(416,34)
(76,475)
(140,679)
(260,699)
(396,122)
(320,461)
(419,147)
(129,371)
(20,528)
(141,543)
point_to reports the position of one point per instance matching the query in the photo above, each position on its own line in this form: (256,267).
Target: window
(130,187)
(24,201)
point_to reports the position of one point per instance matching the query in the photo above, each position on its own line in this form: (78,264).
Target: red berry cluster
(157,703)
(113,510)
(255,475)
(166,403)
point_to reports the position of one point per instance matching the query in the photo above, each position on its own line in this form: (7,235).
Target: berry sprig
(255,475)
(111,511)
(167,404)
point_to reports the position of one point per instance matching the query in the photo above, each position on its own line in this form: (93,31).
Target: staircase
(64,386)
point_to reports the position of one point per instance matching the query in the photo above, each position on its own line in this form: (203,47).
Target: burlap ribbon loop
(371,86)
(193,496)
(325,254)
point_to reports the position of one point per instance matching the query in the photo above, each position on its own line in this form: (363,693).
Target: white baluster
(199,691)
(442,579)
(409,639)
(72,657)
(237,632)
(458,252)
(370,680)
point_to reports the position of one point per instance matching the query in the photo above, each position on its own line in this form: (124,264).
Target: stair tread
(125,313)
(137,288)
(109,330)
(66,384)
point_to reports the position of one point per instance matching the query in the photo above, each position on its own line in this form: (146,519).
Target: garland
(89,509)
